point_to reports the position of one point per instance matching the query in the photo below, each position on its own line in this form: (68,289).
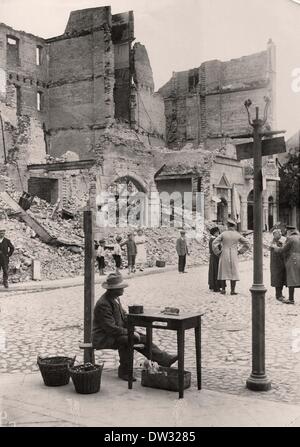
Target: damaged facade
(82,106)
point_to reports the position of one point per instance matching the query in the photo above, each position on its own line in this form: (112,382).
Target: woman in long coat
(213,282)
(277,265)
(228,264)
(291,252)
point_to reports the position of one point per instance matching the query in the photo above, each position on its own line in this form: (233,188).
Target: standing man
(182,251)
(277,265)
(291,253)
(131,252)
(110,327)
(228,264)
(6,250)
(214,258)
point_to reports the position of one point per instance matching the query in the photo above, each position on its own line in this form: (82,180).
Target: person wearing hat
(131,252)
(277,265)
(117,253)
(213,282)
(228,264)
(182,251)
(6,250)
(291,253)
(110,327)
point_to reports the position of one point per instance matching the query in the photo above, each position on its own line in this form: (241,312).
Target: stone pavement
(65,283)
(26,402)
(50,322)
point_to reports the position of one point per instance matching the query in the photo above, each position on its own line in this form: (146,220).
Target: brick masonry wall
(122,38)
(82,80)
(23,134)
(210,100)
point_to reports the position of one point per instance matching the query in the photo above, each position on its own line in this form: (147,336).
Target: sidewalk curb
(66,283)
(78,281)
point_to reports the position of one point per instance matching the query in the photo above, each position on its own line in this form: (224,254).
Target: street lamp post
(258,380)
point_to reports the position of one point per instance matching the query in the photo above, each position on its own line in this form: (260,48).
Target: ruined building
(82,106)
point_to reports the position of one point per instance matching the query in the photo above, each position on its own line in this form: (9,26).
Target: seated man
(109,327)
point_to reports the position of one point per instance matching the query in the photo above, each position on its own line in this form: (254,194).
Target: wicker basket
(160,263)
(86,381)
(55,370)
(165,379)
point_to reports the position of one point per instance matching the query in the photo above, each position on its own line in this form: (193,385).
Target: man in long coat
(291,253)
(6,250)
(277,265)
(228,263)
(110,327)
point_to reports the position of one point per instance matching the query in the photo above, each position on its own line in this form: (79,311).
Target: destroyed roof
(193,162)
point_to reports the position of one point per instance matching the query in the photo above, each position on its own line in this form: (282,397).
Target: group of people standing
(136,252)
(284,260)
(223,262)
(285,263)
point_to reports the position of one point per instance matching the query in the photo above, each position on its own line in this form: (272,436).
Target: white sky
(181,34)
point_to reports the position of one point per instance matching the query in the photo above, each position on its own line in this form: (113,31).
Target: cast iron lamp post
(258,380)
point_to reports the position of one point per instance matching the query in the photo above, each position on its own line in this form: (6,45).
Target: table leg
(198,352)
(149,341)
(180,347)
(130,330)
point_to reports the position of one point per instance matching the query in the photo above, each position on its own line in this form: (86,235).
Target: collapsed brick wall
(209,101)
(85,77)
(21,80)
(81,73)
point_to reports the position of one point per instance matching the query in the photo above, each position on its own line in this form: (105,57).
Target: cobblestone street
(51,323)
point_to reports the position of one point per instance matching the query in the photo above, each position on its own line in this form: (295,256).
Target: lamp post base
(258,383)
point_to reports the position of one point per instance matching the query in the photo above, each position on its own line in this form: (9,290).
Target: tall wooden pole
(3,139)
(89,285)
(258,380)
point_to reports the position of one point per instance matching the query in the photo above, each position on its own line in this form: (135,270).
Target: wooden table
(157,320)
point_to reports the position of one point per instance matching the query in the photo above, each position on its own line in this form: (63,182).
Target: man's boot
(291,296)
(233,292)
(279,295)
(162,357)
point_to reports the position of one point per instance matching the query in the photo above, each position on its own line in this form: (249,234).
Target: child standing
(100,256)
(117,253)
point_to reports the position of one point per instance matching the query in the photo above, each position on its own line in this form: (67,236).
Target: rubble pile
(67,260)
(56,262)
(68,230)
(161,245)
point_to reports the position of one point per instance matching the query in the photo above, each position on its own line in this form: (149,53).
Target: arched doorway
(129,197)
(250,202)
(222,211)
(270,212)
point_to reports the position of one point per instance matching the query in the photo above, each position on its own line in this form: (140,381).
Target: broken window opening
(38,55)
(12,50)
(193,80)
(44,188)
